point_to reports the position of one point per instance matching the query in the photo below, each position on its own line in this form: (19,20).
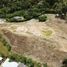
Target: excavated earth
(42,41)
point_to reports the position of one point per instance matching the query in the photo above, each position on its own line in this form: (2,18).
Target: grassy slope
(3,49)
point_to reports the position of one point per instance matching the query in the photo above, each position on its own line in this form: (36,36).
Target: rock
(19,18)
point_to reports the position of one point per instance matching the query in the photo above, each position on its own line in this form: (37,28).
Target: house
(9,64)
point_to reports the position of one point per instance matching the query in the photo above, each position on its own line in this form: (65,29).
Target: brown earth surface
(43,41)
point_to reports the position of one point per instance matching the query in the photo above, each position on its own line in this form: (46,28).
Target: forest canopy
(31,8)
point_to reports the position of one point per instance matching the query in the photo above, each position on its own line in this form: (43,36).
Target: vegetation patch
(5,43)
(27,61)
(64,63)
(42,18)
(3,50)
(47,33)
(31,8)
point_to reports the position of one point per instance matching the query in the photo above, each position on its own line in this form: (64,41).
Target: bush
(34,12)
(38,64)
(64,63)
(27,61)
(27,15)
(42,18)
(5,43)
(16,13)
(8,47)
(1,54)
(45,65)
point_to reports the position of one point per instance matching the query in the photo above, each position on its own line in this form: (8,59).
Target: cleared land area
(43,41)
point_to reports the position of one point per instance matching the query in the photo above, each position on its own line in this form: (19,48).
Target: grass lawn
(3,50)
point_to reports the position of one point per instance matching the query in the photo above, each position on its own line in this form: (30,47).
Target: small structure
(22,65)
(9,64)
(6,63)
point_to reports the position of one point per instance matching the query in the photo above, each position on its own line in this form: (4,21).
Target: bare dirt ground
(43,41)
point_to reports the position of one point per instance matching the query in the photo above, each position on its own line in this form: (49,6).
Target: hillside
(34,32)
(42,41)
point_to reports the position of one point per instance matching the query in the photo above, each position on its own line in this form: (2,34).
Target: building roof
(9,64)
(6,63)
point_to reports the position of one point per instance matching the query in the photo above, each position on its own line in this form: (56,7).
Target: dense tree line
(34,8)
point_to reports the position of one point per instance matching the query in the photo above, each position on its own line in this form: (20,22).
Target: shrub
(27,15)
(34,12)
(1,54)
(16,13)
(17,58)
(5,43)
(64,63)
(27,61)
(42,18)
(45,65)
(38,64)
(8,47)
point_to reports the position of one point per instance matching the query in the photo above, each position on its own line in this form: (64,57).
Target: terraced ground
(43,41)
